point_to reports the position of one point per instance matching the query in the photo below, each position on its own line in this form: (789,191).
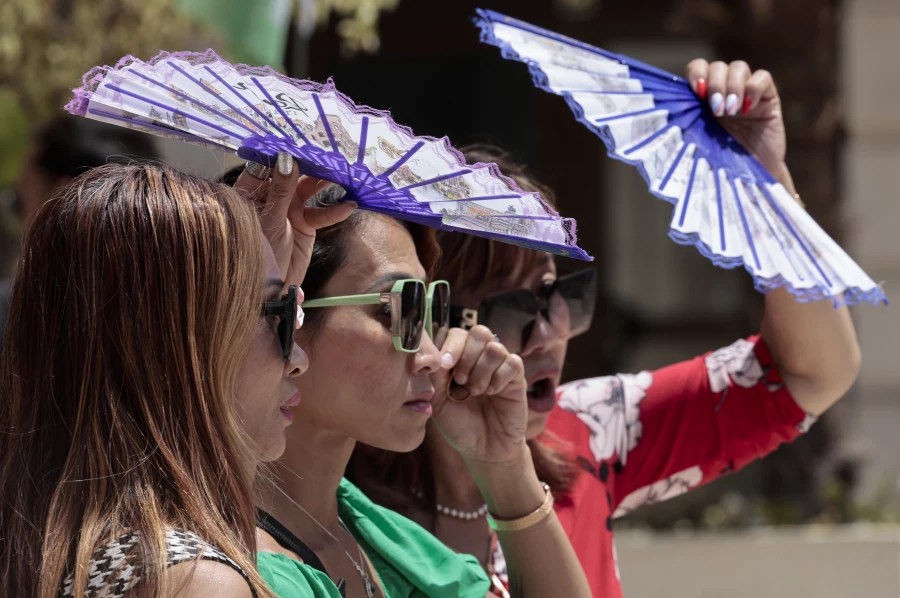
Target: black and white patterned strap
(116,568)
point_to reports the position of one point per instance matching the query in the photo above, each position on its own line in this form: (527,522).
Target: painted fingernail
(300,317)
(285,163)
(746,107)
(717,104)
(702,89)
(731,104)
(447,361)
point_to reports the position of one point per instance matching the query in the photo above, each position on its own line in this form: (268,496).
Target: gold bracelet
(520,523)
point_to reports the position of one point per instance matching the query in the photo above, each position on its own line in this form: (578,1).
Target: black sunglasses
(566,303)
(286,310)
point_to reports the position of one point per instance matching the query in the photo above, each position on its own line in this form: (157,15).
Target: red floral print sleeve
(647,437)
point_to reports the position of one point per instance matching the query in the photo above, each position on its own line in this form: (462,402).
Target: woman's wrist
(783,176)
(510,488)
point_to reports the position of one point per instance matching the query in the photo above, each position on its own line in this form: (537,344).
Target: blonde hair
(133,306)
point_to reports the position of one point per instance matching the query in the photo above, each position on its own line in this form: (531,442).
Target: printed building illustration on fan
(725,203)
(257,112)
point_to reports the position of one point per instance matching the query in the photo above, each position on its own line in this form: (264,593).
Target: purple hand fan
(257,112)
(725,203)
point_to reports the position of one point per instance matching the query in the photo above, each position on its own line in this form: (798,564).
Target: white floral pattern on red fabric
(610,407)
(670,487)
(735,363)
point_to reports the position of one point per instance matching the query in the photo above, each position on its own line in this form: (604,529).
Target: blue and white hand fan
(725,203)
(257,112)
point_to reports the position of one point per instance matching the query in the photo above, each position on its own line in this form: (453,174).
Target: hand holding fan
(257,112)
(725,202)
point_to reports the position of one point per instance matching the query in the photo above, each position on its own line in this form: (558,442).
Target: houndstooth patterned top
(116,568)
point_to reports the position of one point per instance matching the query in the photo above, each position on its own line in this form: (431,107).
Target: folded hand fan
(383,166)
(725,203)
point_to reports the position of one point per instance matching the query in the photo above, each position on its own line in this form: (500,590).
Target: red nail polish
(745,108)
(701,89)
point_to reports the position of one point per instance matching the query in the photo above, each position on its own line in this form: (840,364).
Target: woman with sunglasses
(608,445)
(373,324)
(143,381)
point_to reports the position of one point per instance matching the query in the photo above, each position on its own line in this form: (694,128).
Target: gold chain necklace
(358,565)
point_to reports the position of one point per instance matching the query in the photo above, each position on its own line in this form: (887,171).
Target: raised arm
(813,344)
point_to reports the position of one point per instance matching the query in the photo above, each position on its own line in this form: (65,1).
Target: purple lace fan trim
(754,173)
(92,79)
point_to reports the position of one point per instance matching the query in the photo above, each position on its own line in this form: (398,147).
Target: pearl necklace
(460,514)
(457,513)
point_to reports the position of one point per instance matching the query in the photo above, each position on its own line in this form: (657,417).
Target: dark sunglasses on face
(413,306)
(286,311)
(566,303)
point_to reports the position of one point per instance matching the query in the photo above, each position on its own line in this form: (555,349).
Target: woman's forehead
(377,247)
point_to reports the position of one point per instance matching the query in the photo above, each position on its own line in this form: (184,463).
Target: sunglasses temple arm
(372,299)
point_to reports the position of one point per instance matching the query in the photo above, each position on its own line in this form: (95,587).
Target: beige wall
(871,75)
(848,562)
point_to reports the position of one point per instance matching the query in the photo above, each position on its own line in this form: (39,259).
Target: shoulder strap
(115,568)
(186,546)
(288,540)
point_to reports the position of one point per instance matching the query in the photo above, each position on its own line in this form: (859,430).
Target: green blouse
(409,561)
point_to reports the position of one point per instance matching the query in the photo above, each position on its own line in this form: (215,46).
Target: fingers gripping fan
(258,112)
(725,203)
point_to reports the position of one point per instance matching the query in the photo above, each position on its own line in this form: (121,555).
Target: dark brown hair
(330,250)
(134,303)
(401,480)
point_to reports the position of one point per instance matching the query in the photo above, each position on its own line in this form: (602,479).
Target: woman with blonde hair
(148,368)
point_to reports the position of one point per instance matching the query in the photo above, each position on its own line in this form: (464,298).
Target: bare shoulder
(207,579)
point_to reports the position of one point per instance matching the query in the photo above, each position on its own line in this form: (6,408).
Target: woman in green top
(374,378)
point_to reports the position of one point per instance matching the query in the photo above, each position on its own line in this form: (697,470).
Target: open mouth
(542,395)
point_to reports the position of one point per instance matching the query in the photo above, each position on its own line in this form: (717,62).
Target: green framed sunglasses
(414,308)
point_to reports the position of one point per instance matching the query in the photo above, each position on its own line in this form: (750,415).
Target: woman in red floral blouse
(608,445)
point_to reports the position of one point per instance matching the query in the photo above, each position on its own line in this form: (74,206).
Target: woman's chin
(399,443)
(273,451)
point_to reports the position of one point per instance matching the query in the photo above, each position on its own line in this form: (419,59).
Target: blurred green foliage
(47,45)
(13,137)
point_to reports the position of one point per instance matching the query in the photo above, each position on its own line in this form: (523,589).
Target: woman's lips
(286,408)
(422,403)
(423,407)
